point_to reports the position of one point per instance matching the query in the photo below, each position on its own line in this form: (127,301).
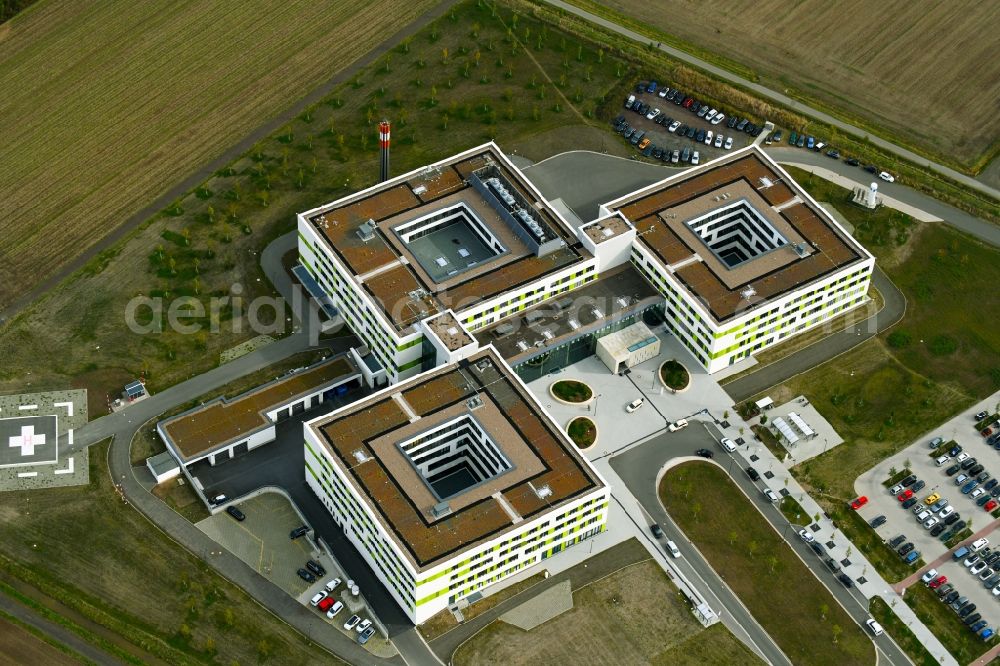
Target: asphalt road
(974,226)
(782,99)
(638,468)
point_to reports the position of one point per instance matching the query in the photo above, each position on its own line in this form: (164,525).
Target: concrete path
(782,99)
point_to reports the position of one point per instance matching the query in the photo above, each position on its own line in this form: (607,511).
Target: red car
(987,432)
(905,495)
(325,604)
(992,504)
(859,502)
(937,582)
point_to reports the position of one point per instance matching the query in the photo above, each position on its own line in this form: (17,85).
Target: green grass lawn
(761,569)
(900,633)
(946,625)
(632,616)
(109,566)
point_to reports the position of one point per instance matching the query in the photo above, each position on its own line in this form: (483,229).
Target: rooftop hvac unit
(748,293)
(475,402)
(800,249)
(597,312)
(547,334)
(543,491)
(360,456)
(573,324)
(522,345)
(441,509)
(420,189)
(366,231)
(607,233)
(503,329)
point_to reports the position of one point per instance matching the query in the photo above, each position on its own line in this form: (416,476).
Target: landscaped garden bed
(571,390)
(583,432)
(674,375)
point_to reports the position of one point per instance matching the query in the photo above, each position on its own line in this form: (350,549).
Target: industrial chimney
(383,148)
(872,191)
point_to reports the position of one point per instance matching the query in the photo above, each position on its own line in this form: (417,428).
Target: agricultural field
(106,105)
(19,646)
(473,75)
(932,79)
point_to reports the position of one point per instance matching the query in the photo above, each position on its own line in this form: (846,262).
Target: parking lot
(922,460)
(972,586)
(262,541)
(686,123)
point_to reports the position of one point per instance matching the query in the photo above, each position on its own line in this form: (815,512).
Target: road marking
(26,407)
(67,405)
(69,470)
(26,475)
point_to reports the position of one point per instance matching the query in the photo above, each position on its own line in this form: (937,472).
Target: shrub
(899,339)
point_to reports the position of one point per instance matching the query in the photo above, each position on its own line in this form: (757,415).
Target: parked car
(877,521)
(845,580)
(673,126)
(363,625)
(673,549)
(806,536)
(961,479)
(955,450)
(852,162)
(704,453)
(718,118)
(905,548)
(236,513)
(951,471)
(695,157)
(679,424)
(942,460)
(729,143)
(874,627)
(897,540)
(886,176)
(912,557)
(332,584)
(771,496)
(928,576)
(937,582)
(980,416)
(298,532)
(905,495)
(365,635)
(990,505)
(909,503)
(718,141)
(908,481)
(634,405)
(931,499)
(325,604)
(859,502)
(306,576)
(728,444)
(352,622)
(657,531)
(316,568)
(979,544)
(937,529)
(918,486)
(752,473)
(318,597)
(336,608)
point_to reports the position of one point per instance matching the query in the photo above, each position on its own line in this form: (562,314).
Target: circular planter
(591,431)
(659,373)
(574,392)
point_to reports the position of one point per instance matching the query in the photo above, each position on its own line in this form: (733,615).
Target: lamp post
(596,398)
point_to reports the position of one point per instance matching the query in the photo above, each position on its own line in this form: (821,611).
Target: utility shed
(629,346)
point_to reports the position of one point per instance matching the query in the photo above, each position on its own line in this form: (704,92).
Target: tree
(696,509)
(772,562)
(733,536)
(444,56)
(837,631)
(899,339)
(752,547)
(823,610)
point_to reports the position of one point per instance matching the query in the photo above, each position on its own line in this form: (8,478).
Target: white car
(649,116)
(886,176)
(874,627)
(331,585)
(996,591)
(718,140)
(364,625)
(771,496)
(923,515)
(930,522)
(634,405)
(673,126)
(978,492)
(679,424)
(673,549)
(929,576)
(708,138)
(351,622)
(970,560)
(336,608)
(318,597)
(718,119)
(987,573)
(977,568)
(728,444)
(979,545)
(962,457)
(711,114)
(695,157)
(945,512)
(729,143)
(942,460)
(896,489)
(806,536)
(663,92)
